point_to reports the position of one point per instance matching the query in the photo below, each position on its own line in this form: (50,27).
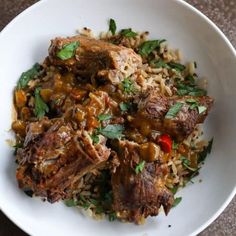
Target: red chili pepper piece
(165,143)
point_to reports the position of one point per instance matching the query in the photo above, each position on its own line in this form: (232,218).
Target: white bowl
(25,41)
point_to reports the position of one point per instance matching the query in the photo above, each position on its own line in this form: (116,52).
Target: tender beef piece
(52,160)
(153,108)
(137,196)
(96,57)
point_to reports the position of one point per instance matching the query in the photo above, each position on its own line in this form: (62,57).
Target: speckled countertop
(223,13)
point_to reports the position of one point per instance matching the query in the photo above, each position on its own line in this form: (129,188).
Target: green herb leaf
(71,203)
(112,131)
(68,50)
(112,216)
(124,106)
(177,66)
(103,117)
(187,89)
(159,63)
(191,100)
(174,189)
(17,146)
(186,163)
(128,86)
(86,205)
(139,167)
(190,79)
(207,150)
(112,26)
(128,33)
(148,46)
(40,107)
(173,111)
(174,145)
(193,103)
(201,109)
(177,201)
(95,138)
(28,75)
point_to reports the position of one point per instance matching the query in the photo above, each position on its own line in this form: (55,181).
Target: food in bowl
(112,125)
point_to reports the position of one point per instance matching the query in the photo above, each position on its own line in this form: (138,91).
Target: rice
(161,79)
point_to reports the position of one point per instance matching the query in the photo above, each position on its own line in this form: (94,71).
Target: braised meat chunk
(138,193)
(54,157)
(177,116)
(96,57)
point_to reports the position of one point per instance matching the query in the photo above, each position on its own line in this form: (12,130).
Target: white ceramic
(25,41)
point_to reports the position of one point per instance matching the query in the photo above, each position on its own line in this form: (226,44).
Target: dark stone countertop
(223,13)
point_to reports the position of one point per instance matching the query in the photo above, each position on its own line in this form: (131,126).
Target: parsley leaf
(177,66)
(177,201)
(186,163)
(112,131)
(127,85)
(40,107)
(148,46)
(201,109)
(174,189)
(207,150)
(124,106)
(173,111)
(71,203)
(112,26)
(128,33)
(174,145)
(159,63)
(112,216)
(68,50)
(139,167)
(187,89)
(103,117)
(95,138)
(28,75)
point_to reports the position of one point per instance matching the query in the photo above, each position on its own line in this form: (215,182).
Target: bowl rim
(225,39)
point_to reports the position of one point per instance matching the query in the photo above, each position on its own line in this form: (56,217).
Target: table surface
(223,13)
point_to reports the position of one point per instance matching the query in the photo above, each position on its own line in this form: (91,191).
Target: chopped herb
(86,205)
(174,145)
(68,50)
(148,46)
(103,117)
(159,63)
(193,103)
(177,66)
(139,167)
(186,89)
(71,203)
(95,138)
(177,201)
(99,209)
(112,131)
(94,202)
(128,86)
(128,33)
(40,107)
(28,75)
(190,79)
(174,189)
(173,111)
(112,26)
(17,146)
(207,150)
(112,216)
(186,163)
(29,193)
(124,106)
(201,109)
(82,198)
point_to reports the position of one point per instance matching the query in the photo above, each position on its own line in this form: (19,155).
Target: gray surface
(223,13)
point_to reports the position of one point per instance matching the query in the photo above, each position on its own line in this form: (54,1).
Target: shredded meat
(153,108)
(96,57)
(54,158)
(138,195)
